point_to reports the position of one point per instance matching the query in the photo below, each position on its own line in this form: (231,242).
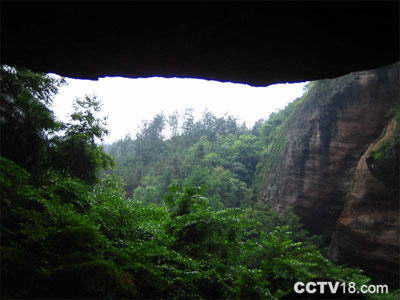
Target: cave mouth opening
(128,102)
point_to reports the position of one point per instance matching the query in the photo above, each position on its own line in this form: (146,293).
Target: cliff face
(321,164)
(367,232)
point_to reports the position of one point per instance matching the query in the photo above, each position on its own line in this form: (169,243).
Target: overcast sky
(128,102)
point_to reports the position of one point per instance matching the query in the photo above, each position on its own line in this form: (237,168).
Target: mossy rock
(384,160)
(384,164)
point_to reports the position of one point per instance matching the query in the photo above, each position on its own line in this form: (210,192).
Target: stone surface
(367,232)
(323,174)
(257,43)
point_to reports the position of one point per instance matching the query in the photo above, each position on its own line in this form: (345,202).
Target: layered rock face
(367,232)
(323,167)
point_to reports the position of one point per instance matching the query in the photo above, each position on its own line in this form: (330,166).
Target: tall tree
(26,122)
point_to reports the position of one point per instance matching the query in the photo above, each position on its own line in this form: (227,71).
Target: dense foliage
(67,232)
(217,153)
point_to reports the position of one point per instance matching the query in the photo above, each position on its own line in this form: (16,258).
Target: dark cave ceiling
(258,43)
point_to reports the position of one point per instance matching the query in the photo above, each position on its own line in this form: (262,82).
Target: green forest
(171,213)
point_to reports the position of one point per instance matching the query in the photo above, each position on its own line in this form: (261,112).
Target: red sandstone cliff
(320,169)
(367,232)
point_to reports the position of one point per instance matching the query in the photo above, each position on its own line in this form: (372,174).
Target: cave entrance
(128,102)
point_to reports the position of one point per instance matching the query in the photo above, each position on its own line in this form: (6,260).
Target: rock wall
(367,232)
(318,166)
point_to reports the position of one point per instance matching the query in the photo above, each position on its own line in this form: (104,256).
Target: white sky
(128,102)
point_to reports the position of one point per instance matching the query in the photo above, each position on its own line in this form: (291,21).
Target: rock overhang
(257,43)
